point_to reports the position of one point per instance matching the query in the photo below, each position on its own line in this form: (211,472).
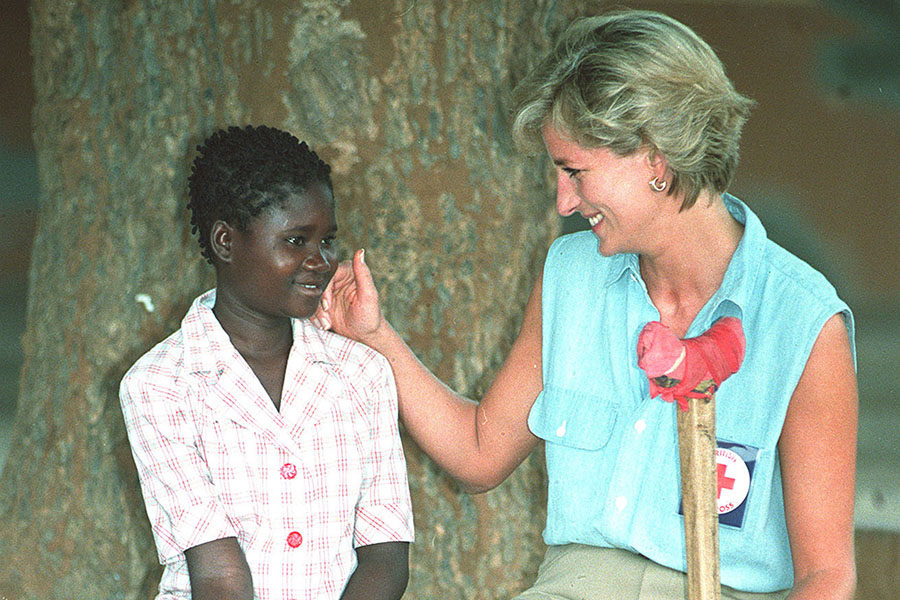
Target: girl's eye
(299,240)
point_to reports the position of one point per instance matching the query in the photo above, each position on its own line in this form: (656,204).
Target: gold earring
(656,185)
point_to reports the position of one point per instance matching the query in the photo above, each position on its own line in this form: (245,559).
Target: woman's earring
(656,185)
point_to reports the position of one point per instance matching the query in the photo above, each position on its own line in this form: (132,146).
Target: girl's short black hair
(240,171)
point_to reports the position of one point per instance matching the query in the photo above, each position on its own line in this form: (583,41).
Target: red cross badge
(734,474)
(733,479)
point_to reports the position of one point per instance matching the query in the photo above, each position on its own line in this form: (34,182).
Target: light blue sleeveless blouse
(612,451)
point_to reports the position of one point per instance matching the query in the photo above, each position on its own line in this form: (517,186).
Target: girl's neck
(252,334)
(264,343)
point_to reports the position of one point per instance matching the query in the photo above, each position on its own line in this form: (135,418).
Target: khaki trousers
(578,572)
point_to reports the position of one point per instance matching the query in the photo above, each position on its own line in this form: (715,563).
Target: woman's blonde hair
(633,80)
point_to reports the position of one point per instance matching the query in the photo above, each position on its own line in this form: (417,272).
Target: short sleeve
(179,496)
(384,512)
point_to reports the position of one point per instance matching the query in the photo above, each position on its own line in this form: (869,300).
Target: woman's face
(612,192)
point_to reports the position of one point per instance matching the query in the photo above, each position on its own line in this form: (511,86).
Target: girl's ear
(221,238)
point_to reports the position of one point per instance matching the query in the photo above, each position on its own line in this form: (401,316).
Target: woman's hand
(349,305)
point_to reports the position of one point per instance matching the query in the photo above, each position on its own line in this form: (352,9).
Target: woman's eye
(328,242)
(296,240)
(572,173)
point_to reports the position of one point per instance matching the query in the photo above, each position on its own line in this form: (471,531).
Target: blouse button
(640,425)
(294,539)
(288,471)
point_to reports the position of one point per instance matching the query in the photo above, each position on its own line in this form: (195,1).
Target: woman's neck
(683,274)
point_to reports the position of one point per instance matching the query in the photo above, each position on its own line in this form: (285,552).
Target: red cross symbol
(722,481)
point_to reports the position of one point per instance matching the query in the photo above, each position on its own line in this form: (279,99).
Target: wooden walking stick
(689,371)
(697,452)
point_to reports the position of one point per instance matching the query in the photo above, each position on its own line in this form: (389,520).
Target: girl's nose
(317,260)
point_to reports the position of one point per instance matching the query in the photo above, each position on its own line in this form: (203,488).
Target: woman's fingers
(349,304)
(365,285)
(322,318)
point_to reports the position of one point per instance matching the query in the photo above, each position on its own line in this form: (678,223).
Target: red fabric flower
(690,368)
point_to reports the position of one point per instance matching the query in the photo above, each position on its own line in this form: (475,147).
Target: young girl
(268,450)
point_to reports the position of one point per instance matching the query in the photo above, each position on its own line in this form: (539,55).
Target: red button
(294,539)
(288,471)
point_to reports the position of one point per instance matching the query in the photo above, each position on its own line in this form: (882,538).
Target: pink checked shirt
(299,489)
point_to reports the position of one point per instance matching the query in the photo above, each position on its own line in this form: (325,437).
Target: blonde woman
(642,127)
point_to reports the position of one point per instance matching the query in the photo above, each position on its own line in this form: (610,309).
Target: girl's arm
(382,572)
(218,570)
(818,466)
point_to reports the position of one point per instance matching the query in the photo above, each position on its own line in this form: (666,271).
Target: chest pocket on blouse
(234,460)
(573,418)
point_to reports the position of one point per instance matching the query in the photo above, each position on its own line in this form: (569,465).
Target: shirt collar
(735,292)
(622,265)
(312,341)
(208,349)
(740,277)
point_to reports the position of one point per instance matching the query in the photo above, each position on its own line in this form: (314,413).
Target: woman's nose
(567,200)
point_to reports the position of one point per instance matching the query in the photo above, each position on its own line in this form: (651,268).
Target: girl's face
(612,192)
(287,255)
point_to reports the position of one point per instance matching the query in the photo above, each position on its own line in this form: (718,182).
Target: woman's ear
(221,238)
(658,165)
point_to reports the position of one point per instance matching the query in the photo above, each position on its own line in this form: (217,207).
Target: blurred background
(819,165)
(18,200)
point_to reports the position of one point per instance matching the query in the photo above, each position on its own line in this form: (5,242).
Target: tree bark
(409,101)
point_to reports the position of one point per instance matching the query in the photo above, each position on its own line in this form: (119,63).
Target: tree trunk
(409,101)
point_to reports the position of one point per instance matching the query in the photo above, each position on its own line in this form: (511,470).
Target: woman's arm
(477,443)
(818,466)
(218,570)
(382,572)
